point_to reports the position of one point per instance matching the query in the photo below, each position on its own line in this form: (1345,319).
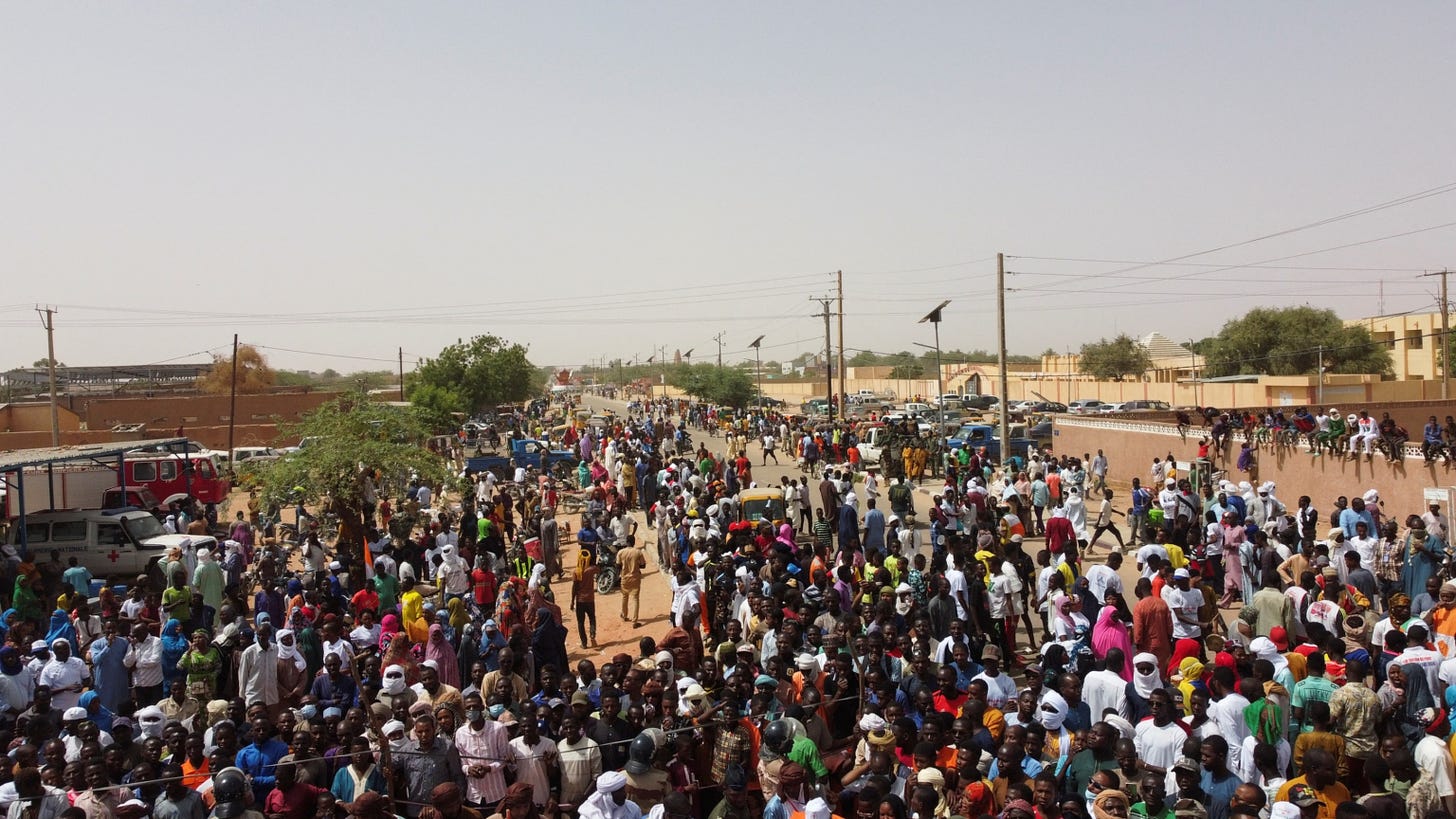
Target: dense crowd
(1269,660)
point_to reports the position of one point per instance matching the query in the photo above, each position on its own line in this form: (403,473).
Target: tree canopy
(1114,359)
(345,437)
(728,386)
(481,373)
(1288,341)
(254,374)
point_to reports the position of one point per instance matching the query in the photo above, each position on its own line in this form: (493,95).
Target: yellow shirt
(1176,558)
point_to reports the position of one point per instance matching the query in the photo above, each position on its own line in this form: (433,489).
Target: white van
(110,544)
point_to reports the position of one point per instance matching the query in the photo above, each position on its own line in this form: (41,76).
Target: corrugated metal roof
(22,458)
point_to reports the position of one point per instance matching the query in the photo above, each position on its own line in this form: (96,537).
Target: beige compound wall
(1130,447)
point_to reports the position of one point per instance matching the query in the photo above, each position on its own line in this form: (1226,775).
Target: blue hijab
(100,715)
(174,645)
(61,629)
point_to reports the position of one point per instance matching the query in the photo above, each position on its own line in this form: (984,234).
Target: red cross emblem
(114,555)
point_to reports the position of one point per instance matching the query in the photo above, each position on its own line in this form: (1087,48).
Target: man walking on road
(630,561)
(1099,472)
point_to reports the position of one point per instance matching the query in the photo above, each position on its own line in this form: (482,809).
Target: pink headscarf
(437,648)
(1109,633)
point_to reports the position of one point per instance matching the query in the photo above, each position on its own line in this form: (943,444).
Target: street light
(934,318)
(758,367)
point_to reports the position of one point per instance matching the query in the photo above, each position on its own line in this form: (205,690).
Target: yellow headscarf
(1192,671)
(583,560)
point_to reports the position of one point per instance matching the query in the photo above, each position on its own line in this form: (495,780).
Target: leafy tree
(254,374)
(484,372)
(344,435)
(1287,341)
(728,386)
(435,407)
(46,362)
(863,358)
(1114,360)
(908,371)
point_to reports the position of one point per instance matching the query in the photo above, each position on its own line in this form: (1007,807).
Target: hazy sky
(598,179)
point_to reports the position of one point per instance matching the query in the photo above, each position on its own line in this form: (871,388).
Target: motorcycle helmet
(230,790)
(640,754)
(778,736)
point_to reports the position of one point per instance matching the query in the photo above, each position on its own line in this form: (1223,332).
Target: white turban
(611,782)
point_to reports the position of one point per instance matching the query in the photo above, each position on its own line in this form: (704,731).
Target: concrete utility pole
(828,353)
(1319,392)
(843,391)
(758,368)
(49,322)
(719,338)
(1005,413)
(233,401)
(1444,347)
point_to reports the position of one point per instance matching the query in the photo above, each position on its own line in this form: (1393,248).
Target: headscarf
(1105,800)
(1145,684)
(601,805)
(583,562)
(174,645)
(1264,721)
(398,653)
(459,617)
(290,652)
(934,778)
(62,629)
(10,661)
(5,622)
(1264,649)
(388,627)
(1109,633)
(101,716)
(1064,612)
(1191,670)
(1417,699)
(1052,712)
(412,607)
(437,648)
(1182,648)
(392,681)
(537,573)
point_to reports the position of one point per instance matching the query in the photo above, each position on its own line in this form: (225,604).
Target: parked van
(109,544)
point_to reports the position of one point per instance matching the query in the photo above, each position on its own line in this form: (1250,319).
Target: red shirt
(949,705)
(297,802)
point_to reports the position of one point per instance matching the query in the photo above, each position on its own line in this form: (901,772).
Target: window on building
(1414,339)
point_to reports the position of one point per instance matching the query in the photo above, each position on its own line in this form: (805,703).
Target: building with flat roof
(1413,340)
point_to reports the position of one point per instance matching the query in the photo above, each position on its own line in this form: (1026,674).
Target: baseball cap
(580,698)
(1304,796)
(1280,637)
(1186,764)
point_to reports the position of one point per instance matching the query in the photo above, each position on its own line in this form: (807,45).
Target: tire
(606,580)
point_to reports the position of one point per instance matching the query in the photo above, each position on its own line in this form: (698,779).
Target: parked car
(1037,407)
(980,402)
(1108,409)
(1145,405)
(1084,406)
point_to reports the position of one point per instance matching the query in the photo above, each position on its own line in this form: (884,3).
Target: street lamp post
(758,368)
(934,318)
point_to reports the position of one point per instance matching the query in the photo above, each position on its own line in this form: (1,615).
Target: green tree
(484,371)
(1114,360)
(908,371)
(253,373)
(346,437)
(435,407)
(1288,341)
(863,358)
(729,386)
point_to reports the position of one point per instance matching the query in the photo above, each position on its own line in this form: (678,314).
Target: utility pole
(1319,393)
(843,391)
(719,338)
(1444,348)
(828,351)
(758,367)
(1004,415)
(401,373)
(233,401)
(49,322)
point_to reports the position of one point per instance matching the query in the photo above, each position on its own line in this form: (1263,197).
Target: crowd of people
(1255,660)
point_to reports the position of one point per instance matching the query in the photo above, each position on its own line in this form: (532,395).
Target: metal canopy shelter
(16,461)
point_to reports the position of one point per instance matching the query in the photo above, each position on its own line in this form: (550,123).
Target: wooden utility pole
(233,402)
(1444,349)
(719,338)
(828,355)
(401,373)
(843,391)
(1005,413)
(49,322)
